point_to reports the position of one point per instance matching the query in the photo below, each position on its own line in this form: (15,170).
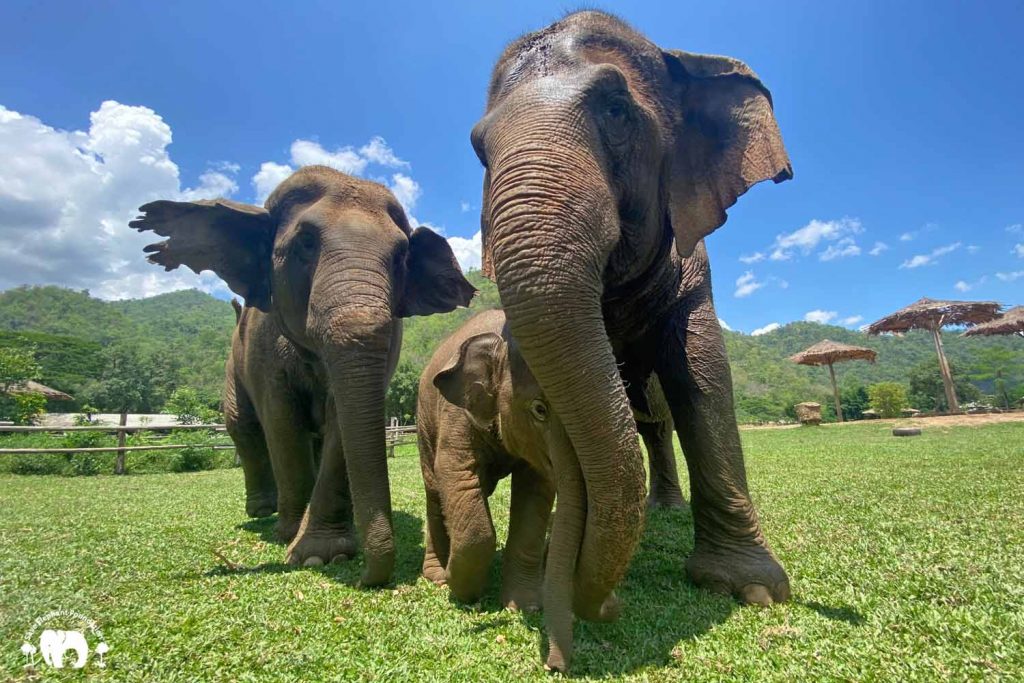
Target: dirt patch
(934,421)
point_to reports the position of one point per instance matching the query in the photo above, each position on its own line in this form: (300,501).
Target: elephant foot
(522,598)
(669,499)
(261,504)
(315,546)
(608,611)
(751,574)
(287,528)
(434,573)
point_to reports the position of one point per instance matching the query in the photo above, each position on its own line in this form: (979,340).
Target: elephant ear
(434,282)
(231,239)
(726,141)
(470,379)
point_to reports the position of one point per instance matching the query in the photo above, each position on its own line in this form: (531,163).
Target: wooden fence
(394,435)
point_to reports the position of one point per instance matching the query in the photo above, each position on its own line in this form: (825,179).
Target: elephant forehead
(579,40)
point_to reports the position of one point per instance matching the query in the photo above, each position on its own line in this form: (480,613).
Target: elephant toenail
(756,594)
(313,561)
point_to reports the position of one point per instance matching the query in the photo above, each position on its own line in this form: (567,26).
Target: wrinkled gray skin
(333,261)
(480,418)
(274,407)
(608,160)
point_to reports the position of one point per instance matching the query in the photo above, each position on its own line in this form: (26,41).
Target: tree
(17,366)
(403,390)
(927,391)
(126,385)
(888,399)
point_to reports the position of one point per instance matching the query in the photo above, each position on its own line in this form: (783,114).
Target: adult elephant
(334,262)
(608,160)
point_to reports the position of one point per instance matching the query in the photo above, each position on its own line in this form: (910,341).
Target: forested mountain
(185,336)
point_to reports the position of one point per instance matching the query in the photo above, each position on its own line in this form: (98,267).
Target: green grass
(906,558)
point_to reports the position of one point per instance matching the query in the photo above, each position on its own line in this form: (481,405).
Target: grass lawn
(906,557)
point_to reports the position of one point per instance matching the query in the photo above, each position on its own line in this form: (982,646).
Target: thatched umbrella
(32,387)
(1011,322)
(932,315)
(828,352)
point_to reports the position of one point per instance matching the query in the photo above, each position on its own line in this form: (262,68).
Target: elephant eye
(616,109)
(305,244)
(539,410)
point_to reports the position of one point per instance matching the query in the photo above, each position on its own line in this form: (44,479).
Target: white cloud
(973,248)
(852,320)
(907,236)
(1010,277)
(770,327)
(1018,249)
(377,151)
(746,285)
(1015,228)
(465,206)
(66,197)
(931,258)
(345,159)
(268,177)
(807,238)
(819,316)
(962,286)
(724,325)
(878,248)
(407,191)
(841,249)
(753,258)
(467,251)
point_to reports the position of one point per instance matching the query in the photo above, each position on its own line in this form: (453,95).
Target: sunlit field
(906,557)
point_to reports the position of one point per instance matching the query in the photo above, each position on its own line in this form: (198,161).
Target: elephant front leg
(326,533)
(435,559)
(730,553)
(467,519)
(522,575)
(661,457)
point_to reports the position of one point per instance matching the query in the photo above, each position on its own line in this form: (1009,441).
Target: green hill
(187,333)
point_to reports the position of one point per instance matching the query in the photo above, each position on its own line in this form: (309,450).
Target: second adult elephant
(332,258)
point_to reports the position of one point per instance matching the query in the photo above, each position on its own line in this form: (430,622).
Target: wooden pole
(109,449)
(121,436)
(952,406)
(835,392)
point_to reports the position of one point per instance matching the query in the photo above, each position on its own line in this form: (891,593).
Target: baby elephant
(481,417)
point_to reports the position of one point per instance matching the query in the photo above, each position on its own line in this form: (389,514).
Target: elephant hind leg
(661,457)
(251,446)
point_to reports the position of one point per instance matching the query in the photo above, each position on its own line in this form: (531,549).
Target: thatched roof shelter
(828,352)
(31,387)
(1011,322)
(933,315)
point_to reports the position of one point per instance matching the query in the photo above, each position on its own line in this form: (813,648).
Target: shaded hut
(31,387)
(828,352)
(932,315)
(1011,322)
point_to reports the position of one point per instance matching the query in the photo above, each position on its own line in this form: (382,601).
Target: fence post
(121,437)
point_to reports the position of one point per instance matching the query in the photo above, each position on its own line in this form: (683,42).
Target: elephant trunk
(552,226)
(356,339)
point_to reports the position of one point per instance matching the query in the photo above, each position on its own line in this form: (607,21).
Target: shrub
(888,399)
(27,407)
(196,455)
(190,409)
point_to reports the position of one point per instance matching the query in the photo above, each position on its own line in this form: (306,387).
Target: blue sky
(903,121)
